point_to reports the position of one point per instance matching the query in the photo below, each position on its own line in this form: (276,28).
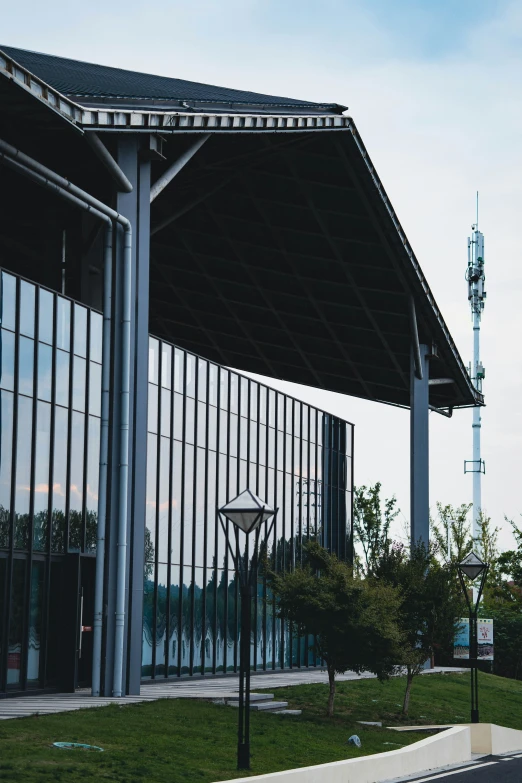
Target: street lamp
(472,567)
(247,512)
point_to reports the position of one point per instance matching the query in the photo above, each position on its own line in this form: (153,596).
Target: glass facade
(211,434)
(50,393)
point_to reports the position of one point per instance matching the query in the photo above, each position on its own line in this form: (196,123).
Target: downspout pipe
(39,173)
(122,182)
(104,461)
(168,175)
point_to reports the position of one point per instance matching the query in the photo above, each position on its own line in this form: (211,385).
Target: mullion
(10,565)
(156,521)
(205,527)
(47,591)
(69,431)
(192,591)
(86,432)
(182,513)
(169,534)
(216,523)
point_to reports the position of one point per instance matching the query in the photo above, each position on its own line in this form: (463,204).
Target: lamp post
(472,567)
(247,512)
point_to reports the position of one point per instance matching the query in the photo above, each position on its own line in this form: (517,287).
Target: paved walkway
(218,688)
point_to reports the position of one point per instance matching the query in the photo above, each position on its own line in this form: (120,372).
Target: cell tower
(476,296)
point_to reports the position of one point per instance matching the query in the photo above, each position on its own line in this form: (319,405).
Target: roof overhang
(284,256)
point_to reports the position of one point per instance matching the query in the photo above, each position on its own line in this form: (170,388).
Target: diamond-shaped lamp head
(472,566)
(247,511)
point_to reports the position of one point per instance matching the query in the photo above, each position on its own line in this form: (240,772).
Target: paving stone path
(216,688)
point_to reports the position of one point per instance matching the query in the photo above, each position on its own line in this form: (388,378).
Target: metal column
(419,446)
(136,205)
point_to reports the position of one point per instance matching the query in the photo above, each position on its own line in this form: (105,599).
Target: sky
(435,89)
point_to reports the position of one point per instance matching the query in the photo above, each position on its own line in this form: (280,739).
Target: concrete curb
(448,748)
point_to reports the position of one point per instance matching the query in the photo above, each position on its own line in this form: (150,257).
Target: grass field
(179,741)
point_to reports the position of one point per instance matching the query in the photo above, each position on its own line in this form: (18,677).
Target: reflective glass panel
(153,360)
(7,348)
(76,485)
(200,509)
(63,323)
(62,378)
(93,471)
(234,392)
(96,337)
(202,380)
(27,308)
(176,502)
(163,501)
(58,522)
(190,375)
(189,419)
(6,452)
(45,316)
(166,408)
(79,383)
(8,301)
(200,649)
(80,330)
(212,383)
(161,620)
(45,372)
(150,514)
(23,473)
(95,389)
(152,421)
(148,614)
(16,624)
(179,372)
(25,365)
(202,424)
(173,641)
(35,623)
(188,505)
(41,477)
(166,365)
(178,416)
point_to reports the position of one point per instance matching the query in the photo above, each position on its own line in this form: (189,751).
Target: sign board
(485,649)
(485,640)
(461,642)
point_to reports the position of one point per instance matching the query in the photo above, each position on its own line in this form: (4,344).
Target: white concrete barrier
(490,738)
(452,746)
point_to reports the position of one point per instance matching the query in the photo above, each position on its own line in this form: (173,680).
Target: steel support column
(419,445)
(135,204)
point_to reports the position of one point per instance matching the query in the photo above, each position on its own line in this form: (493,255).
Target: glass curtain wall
(50,394)
(211,434)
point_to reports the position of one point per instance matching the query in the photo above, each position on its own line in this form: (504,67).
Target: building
(156,233)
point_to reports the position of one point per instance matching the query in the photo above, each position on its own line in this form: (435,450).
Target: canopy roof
(275,250)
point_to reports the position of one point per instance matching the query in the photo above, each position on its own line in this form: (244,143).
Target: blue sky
(435,88)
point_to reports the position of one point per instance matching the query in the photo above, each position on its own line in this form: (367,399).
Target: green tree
(353,620)
(453,521)
(430,604)
(372,519)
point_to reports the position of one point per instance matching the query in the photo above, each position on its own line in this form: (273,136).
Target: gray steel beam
(419,448)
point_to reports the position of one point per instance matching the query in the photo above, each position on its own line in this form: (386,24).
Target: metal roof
(285,256)
(89,82)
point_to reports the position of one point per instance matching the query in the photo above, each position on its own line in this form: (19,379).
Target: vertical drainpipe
(124,464)
(104,459)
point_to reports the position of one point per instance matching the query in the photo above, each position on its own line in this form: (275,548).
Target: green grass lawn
(183,740)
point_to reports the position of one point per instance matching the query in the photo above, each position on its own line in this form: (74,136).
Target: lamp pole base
(243,755)
(475,716)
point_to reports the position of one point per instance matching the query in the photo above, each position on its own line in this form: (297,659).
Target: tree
(452,520)
(372,519)
(353,620)
(430,604)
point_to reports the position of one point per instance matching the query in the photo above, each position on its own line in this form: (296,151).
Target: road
(490,769)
